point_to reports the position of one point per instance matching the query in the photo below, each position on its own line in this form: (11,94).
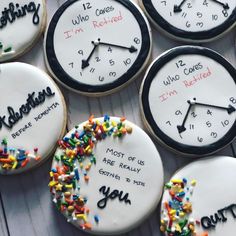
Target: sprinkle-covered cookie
(106,176)
(199,200)
(32,117)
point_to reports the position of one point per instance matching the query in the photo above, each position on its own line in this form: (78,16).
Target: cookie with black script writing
(22,23)
(106,176)
(32,117)
(200,199)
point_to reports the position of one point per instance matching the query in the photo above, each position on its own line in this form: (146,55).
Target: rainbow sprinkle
(13,159)
(74,162)
(5,50)
(176,212)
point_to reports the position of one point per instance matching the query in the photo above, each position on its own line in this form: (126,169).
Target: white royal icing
(195,16)
(136,170)
(85,22)
(22,21)
(24,121)
(184,78)
(214,193)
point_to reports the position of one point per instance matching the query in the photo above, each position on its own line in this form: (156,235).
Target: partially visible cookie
(199,200)
(21,24)
(32,117)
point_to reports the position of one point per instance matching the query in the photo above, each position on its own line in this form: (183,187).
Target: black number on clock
(200,139)
(112,63)
(92,70)
(214,134)
(184,14)
(233,100)
(137,40)
(101,78)
(180,63)
(163,2)
(215,17)
(205,3)
(225,123)
(97,59)
(109,49)
(200,24)
(81,52)
(193,114)
(191,126)
(168,122)
(178,112)
(71,64)
(208,123)
(188,24)
(225,13)
(189,5)
(199,15)
(87,6)
(112,74)
(209,112)
(127,61)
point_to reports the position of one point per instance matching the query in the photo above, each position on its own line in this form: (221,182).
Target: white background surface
(25,203)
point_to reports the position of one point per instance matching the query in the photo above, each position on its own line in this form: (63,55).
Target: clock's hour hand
(131,49)
(181,128)
(177,8)
(85,63)
(230,109)
(225,5)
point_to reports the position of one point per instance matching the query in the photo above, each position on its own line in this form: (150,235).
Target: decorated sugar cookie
(199,200)
(106,176)
(21,24)
(194,21)
(188,100)
(96,47)
(32,117)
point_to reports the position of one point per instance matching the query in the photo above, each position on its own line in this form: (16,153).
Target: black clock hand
(181,128)
(230,109)
(131,49)
(85,63)
(177,8)
(225,5)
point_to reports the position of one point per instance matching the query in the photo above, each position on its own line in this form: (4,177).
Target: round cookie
(32,117)
(198,21)
(22,22)
(188,100)
(106,176)
(200,200)
(89,50)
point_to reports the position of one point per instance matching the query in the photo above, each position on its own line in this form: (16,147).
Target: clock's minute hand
(177,8)
(85,63)
(225,5)
(230,109)
(181,128)
(131,48)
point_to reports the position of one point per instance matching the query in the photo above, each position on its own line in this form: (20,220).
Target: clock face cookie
(188,100)
(32,117)
(89,49)
(200,200)
(187,20)
(22,22)
(106,176)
